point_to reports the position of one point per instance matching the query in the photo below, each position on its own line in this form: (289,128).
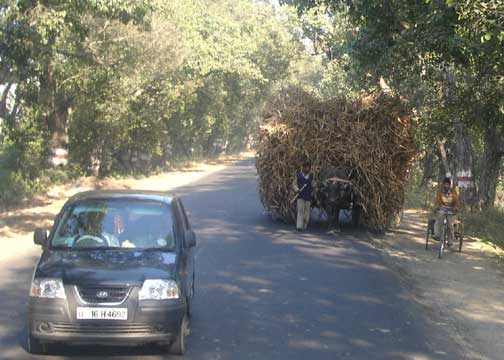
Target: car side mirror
(189,239)
(40,237)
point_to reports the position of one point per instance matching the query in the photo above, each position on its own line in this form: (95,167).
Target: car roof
(160,196)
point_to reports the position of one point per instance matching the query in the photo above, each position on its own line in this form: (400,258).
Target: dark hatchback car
(117,268)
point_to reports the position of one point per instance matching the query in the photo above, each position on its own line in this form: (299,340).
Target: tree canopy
(130,86)
(446,58)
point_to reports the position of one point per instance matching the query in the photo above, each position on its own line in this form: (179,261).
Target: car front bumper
(53,320)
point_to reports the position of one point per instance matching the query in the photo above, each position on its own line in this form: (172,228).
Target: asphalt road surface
(265,291)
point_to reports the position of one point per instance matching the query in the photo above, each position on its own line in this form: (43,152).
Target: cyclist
(446,202)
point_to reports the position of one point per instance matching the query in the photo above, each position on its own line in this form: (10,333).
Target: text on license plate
(96,313)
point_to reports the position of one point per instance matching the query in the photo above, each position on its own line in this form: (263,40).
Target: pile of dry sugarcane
(371,137)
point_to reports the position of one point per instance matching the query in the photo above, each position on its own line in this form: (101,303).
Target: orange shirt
(449,199)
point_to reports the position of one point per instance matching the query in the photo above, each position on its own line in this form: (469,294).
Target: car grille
(71,328)
(103,294)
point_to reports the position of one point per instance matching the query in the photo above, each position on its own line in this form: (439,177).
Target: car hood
(106,267)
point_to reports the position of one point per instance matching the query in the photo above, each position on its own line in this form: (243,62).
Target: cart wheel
(355,216)
(427,238)
(459,234)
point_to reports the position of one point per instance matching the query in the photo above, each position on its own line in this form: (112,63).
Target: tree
(481,25)
(43,37)
(446,58)
(131,86)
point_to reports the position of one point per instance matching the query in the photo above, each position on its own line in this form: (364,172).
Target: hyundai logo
(102,294)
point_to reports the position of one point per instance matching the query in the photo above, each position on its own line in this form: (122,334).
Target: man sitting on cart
(447,204)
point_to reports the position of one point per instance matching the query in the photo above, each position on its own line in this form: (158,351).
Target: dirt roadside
(16,226)
(463,292)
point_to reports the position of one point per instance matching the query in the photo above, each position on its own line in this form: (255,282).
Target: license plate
(86,313)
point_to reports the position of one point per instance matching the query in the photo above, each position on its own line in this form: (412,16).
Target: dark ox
(335,195)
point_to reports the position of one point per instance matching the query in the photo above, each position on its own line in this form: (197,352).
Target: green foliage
(136,85)
(487,225)
(420,196)
(444,57)
(26,151)
(14,187)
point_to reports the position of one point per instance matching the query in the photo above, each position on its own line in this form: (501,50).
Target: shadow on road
(276,293)
(265,291)
(25,223)
(15,281)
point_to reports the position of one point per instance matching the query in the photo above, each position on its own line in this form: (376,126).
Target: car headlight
(159,290)
(47,288)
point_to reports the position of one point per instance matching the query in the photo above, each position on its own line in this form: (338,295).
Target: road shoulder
(462,292)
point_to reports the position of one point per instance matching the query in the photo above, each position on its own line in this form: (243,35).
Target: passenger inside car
(92,224)
(155,231)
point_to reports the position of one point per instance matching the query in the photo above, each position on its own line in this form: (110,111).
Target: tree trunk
(492,157)
(56,114)
(464,178)
(464,166)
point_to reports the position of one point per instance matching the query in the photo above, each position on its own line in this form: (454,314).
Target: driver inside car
(95,228)
(114,228)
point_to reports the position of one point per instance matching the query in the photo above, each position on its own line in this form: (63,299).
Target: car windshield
(115,224)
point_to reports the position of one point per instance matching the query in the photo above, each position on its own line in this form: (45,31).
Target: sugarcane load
(359,152)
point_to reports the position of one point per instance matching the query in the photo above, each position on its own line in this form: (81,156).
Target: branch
(3,99)
(442,150)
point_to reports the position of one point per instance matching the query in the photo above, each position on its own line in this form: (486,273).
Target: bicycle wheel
(427,237)
(460,236)
(442,241)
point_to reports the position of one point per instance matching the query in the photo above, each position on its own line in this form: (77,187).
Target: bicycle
(458,232)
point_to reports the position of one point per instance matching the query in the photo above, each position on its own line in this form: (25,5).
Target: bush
(488,225)
(59,175)
(15,187)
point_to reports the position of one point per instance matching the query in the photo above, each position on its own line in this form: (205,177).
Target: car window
(115,224)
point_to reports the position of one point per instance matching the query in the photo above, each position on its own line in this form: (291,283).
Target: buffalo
(335,192)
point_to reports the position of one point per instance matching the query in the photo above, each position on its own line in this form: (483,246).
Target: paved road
(265,291)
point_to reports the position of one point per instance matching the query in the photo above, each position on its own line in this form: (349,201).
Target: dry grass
(488,226)
(372,137)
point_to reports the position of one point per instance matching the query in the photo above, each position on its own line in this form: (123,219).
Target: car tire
(178,347)
(193,286)
(35,347)
(189,306)
(356,216)
(189,300)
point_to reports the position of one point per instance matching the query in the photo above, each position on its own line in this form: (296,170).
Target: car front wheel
(189,300)
(178,347)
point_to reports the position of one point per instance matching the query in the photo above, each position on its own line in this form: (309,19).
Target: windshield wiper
(84,248)
(164,249)
(60,247)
